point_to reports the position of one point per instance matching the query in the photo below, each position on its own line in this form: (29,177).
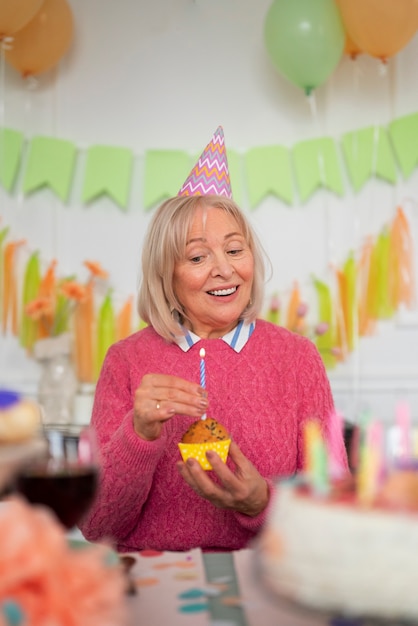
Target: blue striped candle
(202,355)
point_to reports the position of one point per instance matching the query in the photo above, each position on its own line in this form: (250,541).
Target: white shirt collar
(236,338)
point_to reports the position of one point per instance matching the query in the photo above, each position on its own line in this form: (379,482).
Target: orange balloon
(380,27)
(44,40)
(15,14)
(350,48)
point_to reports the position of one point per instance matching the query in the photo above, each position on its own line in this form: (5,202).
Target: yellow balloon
(44,40)
(15,14)
(380,28)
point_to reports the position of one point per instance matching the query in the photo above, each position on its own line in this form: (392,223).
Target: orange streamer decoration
(401,277)
(84,323)
(294,321)
(10,290)
(47,291)
(366,323)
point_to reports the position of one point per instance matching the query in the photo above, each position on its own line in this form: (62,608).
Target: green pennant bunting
(11,143)
(235,175)
(50,162)
(108,171)
(374,151)
(404,135)
(368,152)
(165,171)
(269,172)
(317,165)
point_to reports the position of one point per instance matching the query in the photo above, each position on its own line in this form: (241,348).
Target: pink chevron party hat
(210,175)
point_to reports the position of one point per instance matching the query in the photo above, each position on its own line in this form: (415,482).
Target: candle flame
(202,353)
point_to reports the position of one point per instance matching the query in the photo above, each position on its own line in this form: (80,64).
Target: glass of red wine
(65,478)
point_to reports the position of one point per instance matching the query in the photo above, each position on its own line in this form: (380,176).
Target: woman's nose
(222,266)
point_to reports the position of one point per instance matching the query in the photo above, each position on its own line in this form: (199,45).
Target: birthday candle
(316,458)
(403,421)
(336,433)
(371,460)
(202,355)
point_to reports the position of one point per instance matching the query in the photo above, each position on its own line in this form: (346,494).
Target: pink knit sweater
(262,395)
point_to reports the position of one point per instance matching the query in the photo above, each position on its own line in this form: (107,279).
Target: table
(240,599)
(205,589)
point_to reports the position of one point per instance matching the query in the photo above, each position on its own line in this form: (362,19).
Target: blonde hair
(165,244)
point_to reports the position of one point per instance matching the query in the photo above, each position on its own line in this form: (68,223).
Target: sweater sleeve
(127,462)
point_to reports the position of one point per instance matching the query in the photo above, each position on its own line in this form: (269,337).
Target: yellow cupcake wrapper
(198,451)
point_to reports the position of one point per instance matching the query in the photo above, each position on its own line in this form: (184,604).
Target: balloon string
(55,212)
(322,177)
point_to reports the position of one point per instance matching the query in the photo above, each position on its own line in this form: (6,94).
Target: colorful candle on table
(316,458)
(370,470)
(202,355)
(403,422)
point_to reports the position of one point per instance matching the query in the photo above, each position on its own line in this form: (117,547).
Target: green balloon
(305,40)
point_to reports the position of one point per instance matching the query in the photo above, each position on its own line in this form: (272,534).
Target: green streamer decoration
(269,171)
(11,144)
(28,333)
(325,342)
(317,165)
(350,311)
(385,309)
(404,135)
(50,163)
(367,153)
(106,330)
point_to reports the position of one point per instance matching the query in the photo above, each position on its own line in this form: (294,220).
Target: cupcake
(203,435)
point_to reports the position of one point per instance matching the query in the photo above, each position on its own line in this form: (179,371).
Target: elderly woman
(202,286)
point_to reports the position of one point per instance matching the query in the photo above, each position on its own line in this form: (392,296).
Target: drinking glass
(65,478)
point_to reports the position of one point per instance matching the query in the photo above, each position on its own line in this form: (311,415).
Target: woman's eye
(234,252)
(196,259)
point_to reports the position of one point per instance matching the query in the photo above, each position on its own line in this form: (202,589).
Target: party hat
(210,175)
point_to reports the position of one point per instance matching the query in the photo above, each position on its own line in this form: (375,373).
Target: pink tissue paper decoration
(210,175)
(51,582)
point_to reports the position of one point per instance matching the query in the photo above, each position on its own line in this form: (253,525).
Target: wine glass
(65,478)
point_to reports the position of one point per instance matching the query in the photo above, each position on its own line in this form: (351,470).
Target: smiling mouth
(223,292)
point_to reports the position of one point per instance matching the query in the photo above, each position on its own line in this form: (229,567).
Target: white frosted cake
(335,555)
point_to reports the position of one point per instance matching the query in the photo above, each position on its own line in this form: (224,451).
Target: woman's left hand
(243,490)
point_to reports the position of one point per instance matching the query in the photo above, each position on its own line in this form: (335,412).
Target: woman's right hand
(159,397)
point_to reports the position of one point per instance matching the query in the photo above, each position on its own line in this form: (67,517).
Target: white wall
(165,74)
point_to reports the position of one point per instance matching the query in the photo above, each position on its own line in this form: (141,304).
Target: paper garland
(108,172)
(52,160)
(269,170)
(368,153)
